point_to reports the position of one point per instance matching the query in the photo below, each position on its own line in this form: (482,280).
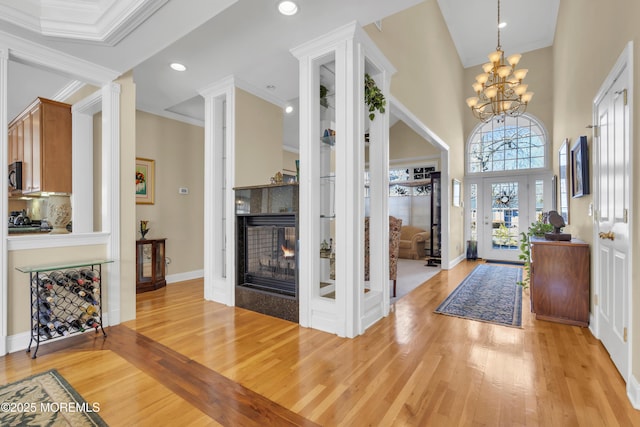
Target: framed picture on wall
(580,167)
(145,181)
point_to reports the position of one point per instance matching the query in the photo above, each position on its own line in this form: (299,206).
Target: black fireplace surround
(266,254)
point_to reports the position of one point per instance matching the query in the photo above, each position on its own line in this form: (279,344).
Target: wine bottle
(60,327)
(45,307)
(44,332)
(47,295)
(92,323)
(45,282)
(45,320)
(77,289)
(90,309)
(89,274)
(75,323)
(74,276)
(58,278)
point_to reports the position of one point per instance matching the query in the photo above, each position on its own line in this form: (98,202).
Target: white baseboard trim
(633,392)
(456,261)
(181,277)
(18,342)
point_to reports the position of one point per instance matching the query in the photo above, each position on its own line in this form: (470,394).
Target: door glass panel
(505,215)
(473,203)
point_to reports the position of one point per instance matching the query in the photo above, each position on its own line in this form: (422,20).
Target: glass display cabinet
(150,265)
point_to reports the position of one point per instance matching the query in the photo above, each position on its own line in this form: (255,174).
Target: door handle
(610,235)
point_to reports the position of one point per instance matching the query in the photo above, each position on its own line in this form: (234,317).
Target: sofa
(413,241)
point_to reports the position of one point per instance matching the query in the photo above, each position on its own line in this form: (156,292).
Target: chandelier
(499,89)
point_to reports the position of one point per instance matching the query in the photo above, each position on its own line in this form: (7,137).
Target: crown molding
(27,52)
(104,22)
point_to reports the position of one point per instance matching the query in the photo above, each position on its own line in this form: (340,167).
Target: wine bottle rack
(65,300)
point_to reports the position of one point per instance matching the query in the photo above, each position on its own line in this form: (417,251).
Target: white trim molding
(182,277)
(4,202)
(633,392)
(105,22)
(219,178)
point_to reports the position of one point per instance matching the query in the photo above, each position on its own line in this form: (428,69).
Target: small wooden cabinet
(560,281)
(150,266)
(40,138)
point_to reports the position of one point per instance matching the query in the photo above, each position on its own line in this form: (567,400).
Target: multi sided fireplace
(268,249)
(266,243)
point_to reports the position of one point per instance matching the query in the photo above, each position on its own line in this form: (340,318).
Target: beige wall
(258,140)
(178,151)
(417,43)
(589,39)
(405,144)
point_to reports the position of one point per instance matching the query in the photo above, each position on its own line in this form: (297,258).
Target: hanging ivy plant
(373,96)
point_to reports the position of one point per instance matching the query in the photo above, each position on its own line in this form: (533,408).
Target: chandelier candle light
(499,89)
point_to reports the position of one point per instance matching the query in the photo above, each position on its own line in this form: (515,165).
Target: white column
(343,51)
(111,192)
(219,198)
(4,62)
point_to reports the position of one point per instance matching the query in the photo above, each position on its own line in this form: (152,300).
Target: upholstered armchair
(395,225)
(413,241)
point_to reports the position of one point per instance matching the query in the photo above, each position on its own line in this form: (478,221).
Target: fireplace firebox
(269,252)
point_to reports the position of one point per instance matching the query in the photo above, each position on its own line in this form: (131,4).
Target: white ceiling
(531,24)
(250,40)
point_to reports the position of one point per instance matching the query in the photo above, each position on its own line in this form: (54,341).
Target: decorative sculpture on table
(144,228)
(557,221)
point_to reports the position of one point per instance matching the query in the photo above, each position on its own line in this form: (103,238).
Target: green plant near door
(536,229)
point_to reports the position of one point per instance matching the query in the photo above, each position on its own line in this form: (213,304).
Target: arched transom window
(509,144)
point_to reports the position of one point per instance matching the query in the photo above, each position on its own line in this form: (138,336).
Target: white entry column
(333,123)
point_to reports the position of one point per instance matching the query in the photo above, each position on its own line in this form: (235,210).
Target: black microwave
(15,176)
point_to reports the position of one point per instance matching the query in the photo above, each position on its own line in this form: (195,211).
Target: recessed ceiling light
(178,66)
(288,7)
(502,24)
(288,109)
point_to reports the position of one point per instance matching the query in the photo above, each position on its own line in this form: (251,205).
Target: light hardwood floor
(186,361)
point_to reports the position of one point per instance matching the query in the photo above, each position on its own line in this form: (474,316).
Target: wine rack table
(66,299)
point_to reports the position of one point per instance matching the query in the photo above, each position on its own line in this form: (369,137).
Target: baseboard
(18,342)
(633,392)
(181,277)
(456,261)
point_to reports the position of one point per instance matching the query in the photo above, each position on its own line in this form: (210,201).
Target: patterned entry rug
(489,293)
(46,399)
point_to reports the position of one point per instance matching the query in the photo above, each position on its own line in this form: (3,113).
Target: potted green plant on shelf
(373,97)
(536,229)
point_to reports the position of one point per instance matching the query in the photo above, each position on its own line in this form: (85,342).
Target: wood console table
(150,266)
(560,281)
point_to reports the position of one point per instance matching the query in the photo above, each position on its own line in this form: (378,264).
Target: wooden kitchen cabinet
(40,137)
(560,281)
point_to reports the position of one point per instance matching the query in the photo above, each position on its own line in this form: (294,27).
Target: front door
(504,214)
(612,201)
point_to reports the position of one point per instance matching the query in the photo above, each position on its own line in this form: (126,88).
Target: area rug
(489,293)
(46,399)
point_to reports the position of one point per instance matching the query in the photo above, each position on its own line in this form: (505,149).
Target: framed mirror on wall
(563,188)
